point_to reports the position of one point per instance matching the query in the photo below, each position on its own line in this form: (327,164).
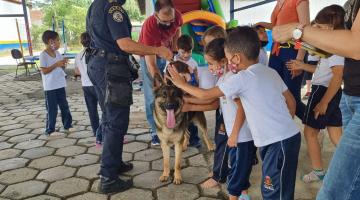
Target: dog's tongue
(170,118)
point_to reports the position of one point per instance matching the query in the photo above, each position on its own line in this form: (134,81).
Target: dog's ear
(158,81)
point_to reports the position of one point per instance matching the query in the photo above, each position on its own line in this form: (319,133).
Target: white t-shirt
(261,89)
(56,78)
(229,110)
(206,79)
(313,58)
(81,65)
(191,62)
(323,72)
(263,57)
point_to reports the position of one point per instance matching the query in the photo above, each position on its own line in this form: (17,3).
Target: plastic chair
(20,61)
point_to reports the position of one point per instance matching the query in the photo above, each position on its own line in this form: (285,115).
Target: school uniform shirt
(56,78)
(261,89)
(323,72)
(206,79)
(81,65)
(263,57)
(191,62)
(229,109)
(313,58)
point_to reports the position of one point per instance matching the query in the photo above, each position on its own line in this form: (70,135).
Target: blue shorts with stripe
(279,167)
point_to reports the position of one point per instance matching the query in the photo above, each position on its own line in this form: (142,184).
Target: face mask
(232,68)
(218,72)
(164,26)
(264,43)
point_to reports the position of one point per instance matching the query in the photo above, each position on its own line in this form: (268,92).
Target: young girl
(323,106)
(207,79)
(53,77)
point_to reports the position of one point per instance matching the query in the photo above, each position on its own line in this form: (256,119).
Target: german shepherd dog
(172,124)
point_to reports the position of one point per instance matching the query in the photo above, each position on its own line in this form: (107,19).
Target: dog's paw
(164,178)
(211,147)
(177,181)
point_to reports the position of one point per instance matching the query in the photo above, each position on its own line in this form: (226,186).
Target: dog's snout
(170,106)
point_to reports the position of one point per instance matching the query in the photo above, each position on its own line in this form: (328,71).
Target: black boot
(125,167)
(107,185)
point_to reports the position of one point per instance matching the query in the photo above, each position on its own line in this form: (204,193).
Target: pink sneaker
(98,144)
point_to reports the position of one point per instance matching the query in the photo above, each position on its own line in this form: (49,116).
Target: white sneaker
(67,131)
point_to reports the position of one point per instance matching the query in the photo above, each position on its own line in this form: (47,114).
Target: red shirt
(152,35)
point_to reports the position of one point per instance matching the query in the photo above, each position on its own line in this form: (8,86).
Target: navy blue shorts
(280,161)
(241,161)
(332,116)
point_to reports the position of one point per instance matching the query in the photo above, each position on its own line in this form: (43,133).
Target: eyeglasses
(168,23)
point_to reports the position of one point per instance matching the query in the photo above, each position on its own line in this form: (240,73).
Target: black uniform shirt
(107,22)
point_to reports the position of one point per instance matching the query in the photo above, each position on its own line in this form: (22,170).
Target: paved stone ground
(32,167)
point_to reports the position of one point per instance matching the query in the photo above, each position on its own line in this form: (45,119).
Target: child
(90,95)
(240,144)
(207,79)
(53,77)
(323,110)
(266,102)
(185,46)
(263,57)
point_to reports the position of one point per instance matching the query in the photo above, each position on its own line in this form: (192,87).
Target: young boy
(90,95)
(53,77)
(267,102)
(185,46)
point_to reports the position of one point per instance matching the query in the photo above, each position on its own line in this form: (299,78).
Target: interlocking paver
(68,187)
(149,180)
(70,151)
(63,142)
(9,153)
(148,155)
(5,145)
(194,175)
(22,138)
(82,160)
(47,162)
(135,147)
(30,144)
(38,152)
(178,192)
(90,196)
(133,194)
(17,175)
(18,131)
(56,173)
(139,167)
(89,172)
(12,163)
(24,189)
(43,197)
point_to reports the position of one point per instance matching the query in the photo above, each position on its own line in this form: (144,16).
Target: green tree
(73,12)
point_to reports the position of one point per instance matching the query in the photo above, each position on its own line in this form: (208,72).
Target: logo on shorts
(268,183)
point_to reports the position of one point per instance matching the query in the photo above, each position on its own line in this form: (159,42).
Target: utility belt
(120,70)
(112,57)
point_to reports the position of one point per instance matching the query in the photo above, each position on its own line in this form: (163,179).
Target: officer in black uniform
(111,73)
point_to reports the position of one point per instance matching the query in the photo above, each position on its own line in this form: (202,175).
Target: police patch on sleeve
(116,12)
(117,16)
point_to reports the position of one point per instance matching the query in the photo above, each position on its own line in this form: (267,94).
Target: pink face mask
(232,68)
(218,72)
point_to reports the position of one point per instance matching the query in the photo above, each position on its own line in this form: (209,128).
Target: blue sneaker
(244,197)
(155,141)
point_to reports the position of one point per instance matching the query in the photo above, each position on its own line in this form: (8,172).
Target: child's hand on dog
(175,76)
